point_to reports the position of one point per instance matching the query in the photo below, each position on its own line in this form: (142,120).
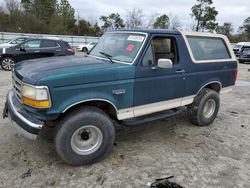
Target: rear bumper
(25,123)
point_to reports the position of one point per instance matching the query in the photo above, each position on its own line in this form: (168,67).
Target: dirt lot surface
(214,156)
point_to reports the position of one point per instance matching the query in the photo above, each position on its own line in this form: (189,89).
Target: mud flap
(5,111)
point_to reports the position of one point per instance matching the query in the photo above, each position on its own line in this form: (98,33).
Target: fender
(89,100)
(212,82)
(85,96)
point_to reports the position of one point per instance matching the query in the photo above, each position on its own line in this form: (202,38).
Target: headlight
(36,96)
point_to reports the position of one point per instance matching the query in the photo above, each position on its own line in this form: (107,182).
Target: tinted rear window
(50,44)
(65,44)
(208,48)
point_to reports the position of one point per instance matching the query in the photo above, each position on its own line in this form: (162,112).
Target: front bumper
(25,123)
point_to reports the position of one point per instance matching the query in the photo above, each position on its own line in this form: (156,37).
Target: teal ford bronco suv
(129,77)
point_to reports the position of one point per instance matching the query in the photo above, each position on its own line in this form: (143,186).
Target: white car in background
(239,47)
(86,47)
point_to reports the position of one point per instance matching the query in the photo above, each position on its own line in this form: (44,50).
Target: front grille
(17,85)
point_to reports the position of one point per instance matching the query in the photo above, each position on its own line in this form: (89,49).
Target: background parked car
(239,46)
(31,49)
(14,42)
(245,55)
(86,47)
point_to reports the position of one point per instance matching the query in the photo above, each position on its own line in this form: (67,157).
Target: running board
(151,117)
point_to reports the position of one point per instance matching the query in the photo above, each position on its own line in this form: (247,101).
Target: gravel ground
(214,156)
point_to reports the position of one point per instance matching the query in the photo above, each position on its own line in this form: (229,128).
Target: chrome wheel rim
(209,108)
(86,140)
(8,63)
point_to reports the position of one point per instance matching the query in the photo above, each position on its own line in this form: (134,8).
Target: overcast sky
(234,11)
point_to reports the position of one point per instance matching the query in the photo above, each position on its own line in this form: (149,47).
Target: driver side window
(160,48)
(33,44)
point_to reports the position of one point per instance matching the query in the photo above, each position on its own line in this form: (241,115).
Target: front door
(32,50)
(158,89)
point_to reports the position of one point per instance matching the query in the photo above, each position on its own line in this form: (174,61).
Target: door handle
(37,51)
(180,71)
(58,50)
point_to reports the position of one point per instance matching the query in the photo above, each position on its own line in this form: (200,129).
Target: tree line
(44,16)
(59,17)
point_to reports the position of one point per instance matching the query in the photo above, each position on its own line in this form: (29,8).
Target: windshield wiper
(107,56)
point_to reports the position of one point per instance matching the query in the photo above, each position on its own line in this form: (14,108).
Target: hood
(71,70)
(5,45)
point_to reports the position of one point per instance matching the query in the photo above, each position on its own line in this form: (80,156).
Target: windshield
(238,46)
(119,46)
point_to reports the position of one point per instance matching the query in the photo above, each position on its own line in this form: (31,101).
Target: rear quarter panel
(199,75)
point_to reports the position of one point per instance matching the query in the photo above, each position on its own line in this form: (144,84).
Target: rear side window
(50,44)
(66,44)
(208,48)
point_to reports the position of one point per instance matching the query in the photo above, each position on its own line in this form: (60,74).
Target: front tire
(85,50)
(205,107)
(7,63)
(84,136)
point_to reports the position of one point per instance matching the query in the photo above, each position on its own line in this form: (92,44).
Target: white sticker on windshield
(136,38)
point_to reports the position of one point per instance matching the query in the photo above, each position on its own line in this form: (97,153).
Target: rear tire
(7,63)
(205,107)
(84,136)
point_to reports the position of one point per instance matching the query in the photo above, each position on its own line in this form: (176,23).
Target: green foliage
(246,27)
(68,14)
(205,15)
(43,16)
(162,22)
(42,9)
(112,21)
(85,28)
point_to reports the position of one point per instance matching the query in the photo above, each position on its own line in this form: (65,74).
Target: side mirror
(22,49)
(165,64)
(13,42)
